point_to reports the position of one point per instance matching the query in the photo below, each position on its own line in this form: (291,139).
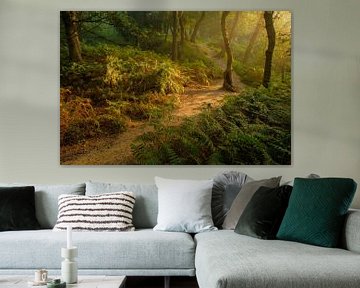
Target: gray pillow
(146,206)
(184,205)
(226,187)
(310,176)
(46,200)
(243,198)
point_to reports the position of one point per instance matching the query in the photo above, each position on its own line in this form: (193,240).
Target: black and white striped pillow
(105,212)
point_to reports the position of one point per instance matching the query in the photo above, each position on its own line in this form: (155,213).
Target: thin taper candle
(69,237)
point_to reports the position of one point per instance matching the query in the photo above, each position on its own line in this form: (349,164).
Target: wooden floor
(158,282)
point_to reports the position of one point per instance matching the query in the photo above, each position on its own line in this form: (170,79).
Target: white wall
(326,91)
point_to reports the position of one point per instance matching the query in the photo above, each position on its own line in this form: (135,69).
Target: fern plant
(246,130)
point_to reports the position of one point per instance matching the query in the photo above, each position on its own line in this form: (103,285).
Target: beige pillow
(243,198)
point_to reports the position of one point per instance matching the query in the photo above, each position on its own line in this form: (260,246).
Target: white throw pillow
(184,205)
(105,212)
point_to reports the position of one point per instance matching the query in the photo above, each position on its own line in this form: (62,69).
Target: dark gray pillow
(263,214)
(17,209)
(46,200)
(226,187)
(243,198)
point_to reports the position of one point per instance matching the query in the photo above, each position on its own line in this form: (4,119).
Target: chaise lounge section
(225,259)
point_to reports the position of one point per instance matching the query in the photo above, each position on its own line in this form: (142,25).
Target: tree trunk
(182,28)
(231,34)
(197,26)
(72,34)
(174,54)
(228,81)
(253,38)
(166,34)
(182,34)
(270,30)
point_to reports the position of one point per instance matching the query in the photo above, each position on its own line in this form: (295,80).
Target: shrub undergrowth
(79,120)
(252,128)
(115,84)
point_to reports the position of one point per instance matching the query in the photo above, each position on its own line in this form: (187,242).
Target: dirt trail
(117,150)
(114,151)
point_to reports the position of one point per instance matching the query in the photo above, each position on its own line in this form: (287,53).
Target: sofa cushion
(226,187)
(137,250)
(146,205)
(263,215)
(317,209)
(184,205)
(350,239)
(46,200)
(17,208)
(225,259)
(105,212)
(243,198)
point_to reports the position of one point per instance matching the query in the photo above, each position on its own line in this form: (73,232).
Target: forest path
(117,150)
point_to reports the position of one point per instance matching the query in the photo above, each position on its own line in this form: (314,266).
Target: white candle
(69,237)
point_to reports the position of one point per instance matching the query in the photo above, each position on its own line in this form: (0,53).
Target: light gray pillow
(184,205)
(46,200)
(243,198)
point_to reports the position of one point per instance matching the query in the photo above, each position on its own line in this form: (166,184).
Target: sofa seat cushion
(225,259)
(142,249)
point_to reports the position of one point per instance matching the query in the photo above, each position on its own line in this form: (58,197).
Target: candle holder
(69,271)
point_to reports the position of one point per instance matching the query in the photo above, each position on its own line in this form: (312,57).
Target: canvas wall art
(175,88)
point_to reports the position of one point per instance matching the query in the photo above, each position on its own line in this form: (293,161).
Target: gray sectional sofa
(219,259)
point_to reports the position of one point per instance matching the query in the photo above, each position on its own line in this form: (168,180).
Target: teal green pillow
(316,211)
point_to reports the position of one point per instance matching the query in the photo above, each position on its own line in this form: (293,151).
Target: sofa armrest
(351,234)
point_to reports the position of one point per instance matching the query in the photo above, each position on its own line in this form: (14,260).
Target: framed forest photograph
(175,87)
